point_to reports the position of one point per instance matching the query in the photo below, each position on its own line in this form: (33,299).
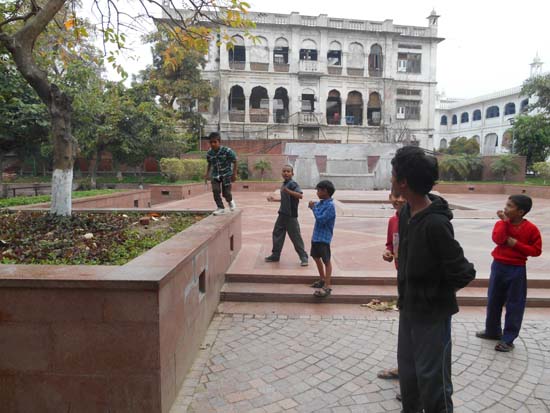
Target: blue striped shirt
(325,217)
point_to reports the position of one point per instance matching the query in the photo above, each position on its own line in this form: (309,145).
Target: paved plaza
(286,357)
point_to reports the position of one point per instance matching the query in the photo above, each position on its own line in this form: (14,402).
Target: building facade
(324,78)
(488,118)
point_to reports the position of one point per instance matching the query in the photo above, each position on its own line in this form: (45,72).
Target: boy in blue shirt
(325,216)
(221,170)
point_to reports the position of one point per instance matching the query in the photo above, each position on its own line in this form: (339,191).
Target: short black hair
(288,166)
(420,170)
(522,202)
(329,186)
(214,136)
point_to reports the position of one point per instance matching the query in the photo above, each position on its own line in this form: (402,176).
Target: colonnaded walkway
(290,357)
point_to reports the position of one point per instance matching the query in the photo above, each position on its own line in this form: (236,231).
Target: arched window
(237,54)
(465,117)
(477,115)
(259,55)
(492,112)
(374,110)
(443,144)
(443,121)
(375,61)
(454,120)
(524,106)
(308,50)
(510,108)
(334,108)
(490,143)
(354,108)
(280,105)
(259,105)
(236,104)
(334,54)
(280,55)
(308,100)
(356,60)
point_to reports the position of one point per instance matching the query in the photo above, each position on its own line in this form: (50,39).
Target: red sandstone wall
(106,338)
(277,162)
(531,190)
(488,174)
(119,200)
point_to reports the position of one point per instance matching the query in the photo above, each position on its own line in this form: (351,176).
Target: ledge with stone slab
(112,338)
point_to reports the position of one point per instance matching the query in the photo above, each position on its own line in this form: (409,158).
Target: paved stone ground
(312,363)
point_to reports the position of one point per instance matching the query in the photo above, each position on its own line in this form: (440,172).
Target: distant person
(222,171)
(431,268)
(325,217)
(389,255)
(287,220)
(516,239)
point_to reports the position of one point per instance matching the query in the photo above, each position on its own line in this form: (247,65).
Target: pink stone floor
(360,232)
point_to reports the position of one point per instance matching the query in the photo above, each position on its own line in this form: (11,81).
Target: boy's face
(398,187)
(512,212)
(397,201)
(215,144)
(322,193)
(287,173)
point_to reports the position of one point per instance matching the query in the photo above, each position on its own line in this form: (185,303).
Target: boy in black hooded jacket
(431,268)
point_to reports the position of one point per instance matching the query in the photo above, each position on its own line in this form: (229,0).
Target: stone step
(353,294)
(383,279)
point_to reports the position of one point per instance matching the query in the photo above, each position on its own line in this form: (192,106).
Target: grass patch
(528,181)
(84,238)
(30,200)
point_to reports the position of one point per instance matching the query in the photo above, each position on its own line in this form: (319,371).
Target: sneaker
(219,211)
(304,263)
(318,284)
(271,258)
(482,334)
(232,205)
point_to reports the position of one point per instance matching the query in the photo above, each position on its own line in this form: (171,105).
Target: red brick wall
(277,162)
(488,174)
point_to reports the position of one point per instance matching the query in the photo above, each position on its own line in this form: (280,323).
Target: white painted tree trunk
(62,182)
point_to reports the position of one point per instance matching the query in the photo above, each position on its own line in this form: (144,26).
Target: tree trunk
(93,176)
(4,193)
(20,45)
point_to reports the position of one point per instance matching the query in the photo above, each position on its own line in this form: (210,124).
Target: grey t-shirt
(289,204)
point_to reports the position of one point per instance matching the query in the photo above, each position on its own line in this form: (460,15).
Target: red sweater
(393,236)
(529,242)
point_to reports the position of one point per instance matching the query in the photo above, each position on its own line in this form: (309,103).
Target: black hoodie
(432,266)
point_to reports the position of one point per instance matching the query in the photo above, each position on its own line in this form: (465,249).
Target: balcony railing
(310,66)
(309,118)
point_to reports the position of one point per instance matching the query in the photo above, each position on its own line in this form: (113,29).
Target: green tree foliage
(459,167)
(532,138)
(262,165)
(538,86)
(182,169)
(463,146)
(542,169)
(505,165)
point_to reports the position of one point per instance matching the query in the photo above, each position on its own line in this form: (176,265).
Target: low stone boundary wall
(534,191)
(125,199)
(112,338)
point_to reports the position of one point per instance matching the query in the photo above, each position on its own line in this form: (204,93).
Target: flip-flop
(504,347)
(323,292)
(389,374)
(318,284)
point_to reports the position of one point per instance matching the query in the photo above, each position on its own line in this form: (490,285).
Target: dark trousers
(219,187)
(283,225)
(507,285)
(424,362)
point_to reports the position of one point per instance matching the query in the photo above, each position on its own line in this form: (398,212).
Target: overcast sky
(488,43)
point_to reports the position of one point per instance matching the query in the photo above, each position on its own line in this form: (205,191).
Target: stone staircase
(280,288)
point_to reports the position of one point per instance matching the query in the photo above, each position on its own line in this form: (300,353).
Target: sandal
(323,292)
(389,374)
(504,347)
(318,284)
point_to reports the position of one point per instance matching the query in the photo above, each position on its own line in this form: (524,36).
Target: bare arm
(293,194)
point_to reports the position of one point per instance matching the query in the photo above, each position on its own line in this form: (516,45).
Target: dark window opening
(443,120)
(510,109)
(409,92)
(524,105)
(408,109)
(236,98)
(280,105)
(334,108)
(334,58)
(231,243)
(308,103)
(465,117)
(409,62)
(374,110)
(308,54)
(136,203)
(354,109)
(375,60)
(477,115)
(454,121)
(237,54)
(165,193)
(202,282)
(492,112)
(280,55)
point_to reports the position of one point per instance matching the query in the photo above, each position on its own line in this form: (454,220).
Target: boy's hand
(205,178)
(501,215)
(511,241)
(285,189)
(387,256)
(270,198)
(311,204)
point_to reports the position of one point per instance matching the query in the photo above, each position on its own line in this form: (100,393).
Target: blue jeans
(507,286)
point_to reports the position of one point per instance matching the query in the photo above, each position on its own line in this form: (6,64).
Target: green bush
(182,169)
(460,167)
(242,169)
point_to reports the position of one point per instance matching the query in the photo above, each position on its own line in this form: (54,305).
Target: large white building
(318,77)
(488,118)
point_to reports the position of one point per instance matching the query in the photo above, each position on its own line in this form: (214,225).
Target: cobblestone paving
(278,363)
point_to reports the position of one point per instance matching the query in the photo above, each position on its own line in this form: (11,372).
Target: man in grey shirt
(287,221)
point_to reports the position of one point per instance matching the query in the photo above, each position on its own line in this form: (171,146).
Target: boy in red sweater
(516,239)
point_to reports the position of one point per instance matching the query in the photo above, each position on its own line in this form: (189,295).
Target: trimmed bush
(182,169)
